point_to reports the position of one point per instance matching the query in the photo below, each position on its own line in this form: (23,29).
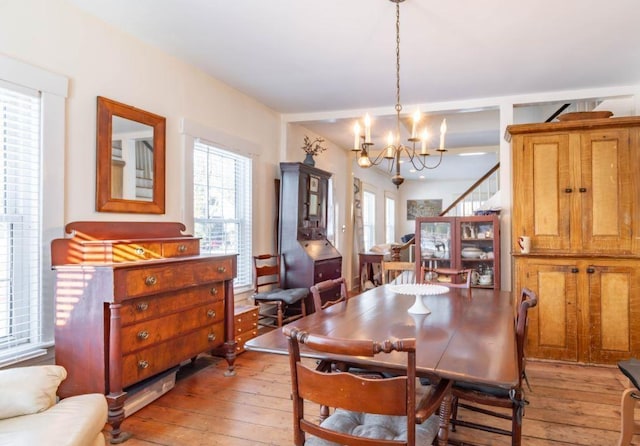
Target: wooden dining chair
(336,289)
(276,305)
(449,277)
(398,272)
(366,411)
(630,397)
(470,395)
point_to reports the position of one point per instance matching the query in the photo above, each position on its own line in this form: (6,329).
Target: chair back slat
(338,289)
(398,272)
(313,385)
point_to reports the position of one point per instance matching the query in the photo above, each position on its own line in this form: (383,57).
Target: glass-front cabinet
(461,243)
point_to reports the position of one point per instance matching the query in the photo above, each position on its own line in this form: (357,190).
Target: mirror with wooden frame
(130,159)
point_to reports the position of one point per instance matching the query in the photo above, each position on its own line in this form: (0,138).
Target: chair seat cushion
(289,296)
(489,390)
(631,369)
(375,426)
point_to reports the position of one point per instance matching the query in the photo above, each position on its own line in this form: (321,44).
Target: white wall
(102,61)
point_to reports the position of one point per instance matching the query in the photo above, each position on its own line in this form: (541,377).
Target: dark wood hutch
(308,256)
(133,300)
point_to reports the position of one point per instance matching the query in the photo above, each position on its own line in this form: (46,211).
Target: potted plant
(312,148)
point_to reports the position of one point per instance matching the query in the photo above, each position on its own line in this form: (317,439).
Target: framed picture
(313,205)
(313,183)
(423,208)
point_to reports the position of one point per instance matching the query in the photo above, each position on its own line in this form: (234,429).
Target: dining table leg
(445,416)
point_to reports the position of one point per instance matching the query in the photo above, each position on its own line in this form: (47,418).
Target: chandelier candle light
(394,148)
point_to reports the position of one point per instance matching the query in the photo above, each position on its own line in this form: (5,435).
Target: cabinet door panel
(606,192)
(553,330)
(614,308)
(541,197)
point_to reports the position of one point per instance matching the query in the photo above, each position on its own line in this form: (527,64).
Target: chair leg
(280,314)
(454,412)
(516,428)
(303,308)
(627,406)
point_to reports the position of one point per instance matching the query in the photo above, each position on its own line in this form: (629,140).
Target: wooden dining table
(464,338)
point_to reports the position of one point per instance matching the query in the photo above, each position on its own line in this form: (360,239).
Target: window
(369,219)
(20,219)
(222,205)
(389,219)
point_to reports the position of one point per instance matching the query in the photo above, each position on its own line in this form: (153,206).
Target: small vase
(309,160)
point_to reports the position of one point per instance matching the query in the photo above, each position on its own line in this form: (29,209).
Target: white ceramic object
(471,253)
(418,290)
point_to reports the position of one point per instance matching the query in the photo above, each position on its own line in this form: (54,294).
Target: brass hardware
(213,291)
(142,306)
(575,270)
(143,334)
(211,313)
(583,189)
(139,251)
(568,190)
(142,364)
(222,269)
(150,280)
(212,337)
(591,270)
(182,248)
(239,320)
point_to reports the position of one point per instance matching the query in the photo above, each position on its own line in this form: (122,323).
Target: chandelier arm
(422,164)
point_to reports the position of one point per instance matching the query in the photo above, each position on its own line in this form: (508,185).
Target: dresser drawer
(153,331)
(327,269)
(130,252)
(245,319)
(181,248)
(151,307)
(155,359)
(153,279)
(244,337)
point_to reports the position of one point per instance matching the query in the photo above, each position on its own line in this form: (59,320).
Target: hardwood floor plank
(569,405)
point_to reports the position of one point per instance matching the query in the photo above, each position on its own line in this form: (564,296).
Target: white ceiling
(324,56)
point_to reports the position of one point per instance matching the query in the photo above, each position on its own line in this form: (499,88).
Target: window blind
(20,222)
(222,205)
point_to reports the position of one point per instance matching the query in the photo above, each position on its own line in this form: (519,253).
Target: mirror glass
(130,174)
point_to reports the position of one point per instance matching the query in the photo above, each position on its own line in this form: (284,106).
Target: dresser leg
(230,356)
(116,417)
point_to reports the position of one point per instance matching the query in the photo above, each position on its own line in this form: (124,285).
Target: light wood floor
(569,405)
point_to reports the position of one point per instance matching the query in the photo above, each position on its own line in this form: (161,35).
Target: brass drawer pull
(142,306)
(213,291)
(239,320)
(222,269)
(139,251)
(211,313)
(143,334)
(182,248)
(150,280)
(142,364)
(212,337)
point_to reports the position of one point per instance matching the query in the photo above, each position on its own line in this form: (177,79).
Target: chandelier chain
(398,105)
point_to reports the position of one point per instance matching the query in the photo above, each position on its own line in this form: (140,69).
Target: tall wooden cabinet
(576,193)
(461,243)
(308,256)
(134,300)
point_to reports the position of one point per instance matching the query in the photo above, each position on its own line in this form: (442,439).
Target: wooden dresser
(246,325)
(133,300)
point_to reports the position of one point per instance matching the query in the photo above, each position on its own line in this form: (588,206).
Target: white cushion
(29,390)
(375,426)
(74,421)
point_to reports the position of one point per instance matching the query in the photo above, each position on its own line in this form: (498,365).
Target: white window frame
(390,218)
(53,90)
(193,131)
(368,227)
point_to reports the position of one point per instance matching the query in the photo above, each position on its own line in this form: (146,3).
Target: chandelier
(394,148)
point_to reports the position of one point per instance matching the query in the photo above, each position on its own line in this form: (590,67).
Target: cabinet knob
(182,248)
(142,364)
(583,189)
(150,280)
(139,251)
(143,334)
(575,270)
(211,313)
(212,337)
(213,291)
(568,190)
(591,270)
(320,275)
(142,306)
(222,269)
